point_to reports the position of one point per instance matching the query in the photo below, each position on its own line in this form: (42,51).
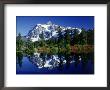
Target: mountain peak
(49,23)
(49,31)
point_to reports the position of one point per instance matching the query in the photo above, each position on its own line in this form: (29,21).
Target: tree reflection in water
(19,58)
(60,65)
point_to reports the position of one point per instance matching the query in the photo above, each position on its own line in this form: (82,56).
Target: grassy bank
(74,49)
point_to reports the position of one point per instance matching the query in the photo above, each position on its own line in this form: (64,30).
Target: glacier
(48,30)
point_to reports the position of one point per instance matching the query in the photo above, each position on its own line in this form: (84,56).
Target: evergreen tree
(29,48)
(67,40)
(90,37)
(75,39)
(42,43)
(19,42)
(83,37)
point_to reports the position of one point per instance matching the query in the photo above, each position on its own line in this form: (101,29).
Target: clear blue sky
(26,23)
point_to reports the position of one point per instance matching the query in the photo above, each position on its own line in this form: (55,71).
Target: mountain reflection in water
(43,63)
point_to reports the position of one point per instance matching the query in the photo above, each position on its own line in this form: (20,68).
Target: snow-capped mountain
(48,31)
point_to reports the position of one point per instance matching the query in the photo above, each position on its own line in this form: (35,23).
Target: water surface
(42,63)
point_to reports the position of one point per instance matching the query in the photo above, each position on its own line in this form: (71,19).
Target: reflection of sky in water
(53,64)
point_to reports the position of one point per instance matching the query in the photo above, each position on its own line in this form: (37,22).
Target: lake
(43,63)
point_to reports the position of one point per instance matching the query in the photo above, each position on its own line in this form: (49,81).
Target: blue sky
(26,23)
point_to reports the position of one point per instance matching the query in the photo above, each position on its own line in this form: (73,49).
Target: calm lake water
(41,63)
